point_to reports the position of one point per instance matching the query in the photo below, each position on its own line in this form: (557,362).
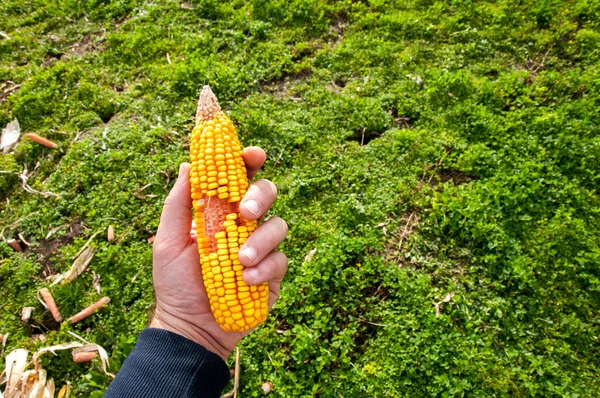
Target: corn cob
(218,182)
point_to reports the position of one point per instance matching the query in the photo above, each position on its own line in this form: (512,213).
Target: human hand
(182,305)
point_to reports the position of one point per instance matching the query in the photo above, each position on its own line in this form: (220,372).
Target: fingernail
(249,252)
(181,168)
(252,206)
(252,274)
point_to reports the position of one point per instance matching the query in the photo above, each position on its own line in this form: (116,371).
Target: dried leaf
(10,136)
(24,177)
(448,297)
(38,337)
(37,391)
(49,390)
(53,230)
(28,380)
(52,349)
(15,364)
(139,195)
(438,305)
(310,255)
(79,266)
(65,391)
(103,359)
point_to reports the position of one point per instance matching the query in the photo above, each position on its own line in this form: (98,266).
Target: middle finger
(263,241)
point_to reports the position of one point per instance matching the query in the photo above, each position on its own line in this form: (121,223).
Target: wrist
(164,321)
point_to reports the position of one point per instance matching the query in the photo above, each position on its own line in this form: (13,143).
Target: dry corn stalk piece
(89,310)
(14,368)
(267,387)
(51,304)
(41,140)
(218,181)
(84,354)
(110,235)
(15,245)
(26,314)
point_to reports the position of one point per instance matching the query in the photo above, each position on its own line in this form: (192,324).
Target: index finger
(254,157)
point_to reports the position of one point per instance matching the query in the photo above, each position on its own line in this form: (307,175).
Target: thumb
(176,217)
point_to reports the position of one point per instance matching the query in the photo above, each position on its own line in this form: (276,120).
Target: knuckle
(273,264)
(283,260)
(268,185)
(283,225)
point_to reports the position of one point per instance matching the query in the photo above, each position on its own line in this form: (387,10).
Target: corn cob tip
(207,104)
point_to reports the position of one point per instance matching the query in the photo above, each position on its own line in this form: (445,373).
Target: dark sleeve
(165,364)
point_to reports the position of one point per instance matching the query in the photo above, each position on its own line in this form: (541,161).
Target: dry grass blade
(310,255)
(54,230)
(24,177)
(86,244)
(438,305)
(79,266)
(52,349)
(236,377)
(4,339)
(96,282)
(23,239)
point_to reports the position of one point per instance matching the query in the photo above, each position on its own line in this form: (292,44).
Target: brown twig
(89,310)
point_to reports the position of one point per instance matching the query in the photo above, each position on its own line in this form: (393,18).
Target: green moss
(420,147)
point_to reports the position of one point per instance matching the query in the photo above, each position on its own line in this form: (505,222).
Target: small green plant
(423,151)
